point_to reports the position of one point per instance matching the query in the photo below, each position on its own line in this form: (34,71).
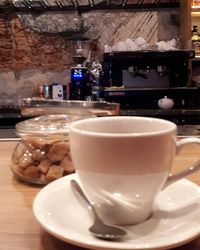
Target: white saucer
(176,219)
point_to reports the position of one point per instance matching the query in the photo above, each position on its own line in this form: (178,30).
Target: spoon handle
(81,196)
(98,228)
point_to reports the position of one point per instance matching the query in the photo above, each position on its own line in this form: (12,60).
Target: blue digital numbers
(77,74)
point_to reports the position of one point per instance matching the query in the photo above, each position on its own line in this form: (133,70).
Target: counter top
(19,229)
(183,130)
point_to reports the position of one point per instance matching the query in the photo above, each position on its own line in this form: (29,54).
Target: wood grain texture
(18,228)
(185,24)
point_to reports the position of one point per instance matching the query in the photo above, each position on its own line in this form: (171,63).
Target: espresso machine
(80,77)
(79,87)
(147,69)
(138,80)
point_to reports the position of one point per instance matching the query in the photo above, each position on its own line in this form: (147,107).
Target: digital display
(77,74)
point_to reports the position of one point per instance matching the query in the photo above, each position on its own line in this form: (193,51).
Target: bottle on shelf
(196,3)
(196,40)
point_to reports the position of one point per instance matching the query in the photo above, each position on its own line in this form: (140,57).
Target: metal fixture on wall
(64,5)
(61,23)
(49,16)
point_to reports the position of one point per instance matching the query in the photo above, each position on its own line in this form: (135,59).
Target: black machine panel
(142,69)
(79,88)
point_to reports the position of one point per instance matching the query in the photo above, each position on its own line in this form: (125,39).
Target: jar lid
(46,124)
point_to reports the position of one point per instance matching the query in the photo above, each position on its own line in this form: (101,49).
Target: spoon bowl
(98,228)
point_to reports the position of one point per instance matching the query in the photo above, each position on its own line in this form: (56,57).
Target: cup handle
(189,170)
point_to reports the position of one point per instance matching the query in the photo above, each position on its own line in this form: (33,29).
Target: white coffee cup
(124,161)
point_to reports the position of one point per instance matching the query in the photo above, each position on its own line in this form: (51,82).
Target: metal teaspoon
(99,228)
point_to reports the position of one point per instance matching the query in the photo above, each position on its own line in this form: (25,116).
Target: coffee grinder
(80,77)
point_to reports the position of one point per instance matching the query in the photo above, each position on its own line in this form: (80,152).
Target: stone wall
(32,54)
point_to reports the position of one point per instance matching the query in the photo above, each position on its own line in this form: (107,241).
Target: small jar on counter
(43,153)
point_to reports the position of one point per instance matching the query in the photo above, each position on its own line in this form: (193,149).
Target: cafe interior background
(36,48)
(39,41)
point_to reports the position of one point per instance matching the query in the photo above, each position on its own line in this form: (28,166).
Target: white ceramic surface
(166,103)
(123,162)
(175,221)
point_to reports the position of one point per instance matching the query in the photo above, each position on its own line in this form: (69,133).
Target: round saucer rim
(99,244)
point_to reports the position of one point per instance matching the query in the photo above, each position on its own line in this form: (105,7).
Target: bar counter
(19,230)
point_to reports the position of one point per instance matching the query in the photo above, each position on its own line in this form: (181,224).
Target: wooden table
(18,228)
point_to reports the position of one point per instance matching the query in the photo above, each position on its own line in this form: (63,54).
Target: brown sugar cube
(28,145)
(18,169)
(19,151)
(57,151)
(43,178)
(54,173)
(42,144)
(26,159)
(32,172)
(67,165)
(38,154)
(44,166)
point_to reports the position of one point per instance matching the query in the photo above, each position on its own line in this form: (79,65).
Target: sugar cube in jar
(43,153)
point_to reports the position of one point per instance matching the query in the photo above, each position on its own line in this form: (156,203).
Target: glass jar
(43,153)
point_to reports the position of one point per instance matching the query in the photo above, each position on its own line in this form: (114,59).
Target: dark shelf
(178,91)
(41,6)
